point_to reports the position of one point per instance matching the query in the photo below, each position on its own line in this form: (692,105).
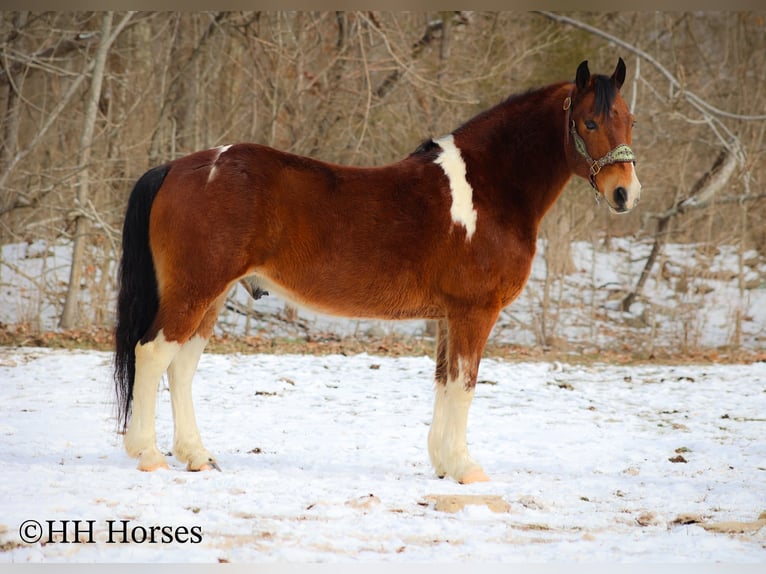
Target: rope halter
(620,154)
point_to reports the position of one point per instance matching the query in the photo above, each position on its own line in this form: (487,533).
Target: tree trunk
(69,314)
(11,120)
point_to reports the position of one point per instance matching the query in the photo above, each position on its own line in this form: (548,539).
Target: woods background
(89,101)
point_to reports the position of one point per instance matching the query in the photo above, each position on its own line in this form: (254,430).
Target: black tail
(138,300)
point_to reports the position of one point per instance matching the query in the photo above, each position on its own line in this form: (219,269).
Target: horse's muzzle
(625,197)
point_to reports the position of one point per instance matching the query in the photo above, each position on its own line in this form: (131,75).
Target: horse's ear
(583,75)
(619,74)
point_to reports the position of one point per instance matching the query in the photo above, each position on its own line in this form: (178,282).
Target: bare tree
(69,313)
(366,87)
(17,66)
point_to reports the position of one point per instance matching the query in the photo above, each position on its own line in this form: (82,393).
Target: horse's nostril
(621,196)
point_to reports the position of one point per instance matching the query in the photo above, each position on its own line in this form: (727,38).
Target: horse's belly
(348,301)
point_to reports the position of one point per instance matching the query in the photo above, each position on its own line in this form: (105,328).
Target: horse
(446,234)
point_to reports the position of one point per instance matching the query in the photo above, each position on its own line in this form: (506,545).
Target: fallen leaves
(647,518)
(723,527)
(680,455)
(734,527)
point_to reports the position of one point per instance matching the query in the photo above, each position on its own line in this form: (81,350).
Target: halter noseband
(620,154)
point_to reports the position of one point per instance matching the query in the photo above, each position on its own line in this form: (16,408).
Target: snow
(324,460)
(324,457)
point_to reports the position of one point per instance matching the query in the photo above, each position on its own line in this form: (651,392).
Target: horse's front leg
(461,342)
(436,432)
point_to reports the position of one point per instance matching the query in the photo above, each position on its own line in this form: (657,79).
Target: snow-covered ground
(324,459)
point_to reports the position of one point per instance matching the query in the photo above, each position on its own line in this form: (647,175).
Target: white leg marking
(436,432)
(187,444)
(220,151)
(152,359)
(455,459)
(451,161)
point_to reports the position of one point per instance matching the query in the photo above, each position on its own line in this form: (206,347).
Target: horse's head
(599,136)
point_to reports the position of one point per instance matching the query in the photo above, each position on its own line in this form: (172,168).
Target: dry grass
(390,346)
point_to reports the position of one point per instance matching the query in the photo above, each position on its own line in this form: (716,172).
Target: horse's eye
(590,124)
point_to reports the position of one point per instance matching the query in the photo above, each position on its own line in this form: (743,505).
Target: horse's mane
(425,147)
(430,145)
(606,91)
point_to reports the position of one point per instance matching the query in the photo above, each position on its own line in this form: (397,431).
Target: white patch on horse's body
(451,161)
(447,440)
(220,150)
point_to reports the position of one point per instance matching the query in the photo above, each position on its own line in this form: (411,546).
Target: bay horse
(448,233)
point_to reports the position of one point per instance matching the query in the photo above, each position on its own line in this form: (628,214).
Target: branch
(701,194)
(416,51)
(717,179)
(427,37)
(368,104)
(691,97)
(728,200)
(53,116)
(20,60)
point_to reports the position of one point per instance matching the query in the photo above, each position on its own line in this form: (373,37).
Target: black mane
(605,94)
(425,147)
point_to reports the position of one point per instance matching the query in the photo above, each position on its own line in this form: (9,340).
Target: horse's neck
(525,151)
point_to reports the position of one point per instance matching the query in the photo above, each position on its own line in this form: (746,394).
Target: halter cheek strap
(620,154)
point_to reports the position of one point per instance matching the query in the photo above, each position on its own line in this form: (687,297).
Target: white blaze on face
(629,193)
(451,161)
(220,151)
(634,189)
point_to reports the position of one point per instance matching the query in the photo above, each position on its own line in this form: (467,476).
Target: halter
(620,154)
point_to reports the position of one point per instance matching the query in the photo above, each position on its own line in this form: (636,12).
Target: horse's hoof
(151,459)
(475,475)
(209,465)
(151,467)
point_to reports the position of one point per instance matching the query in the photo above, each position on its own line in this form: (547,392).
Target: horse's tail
(138,300)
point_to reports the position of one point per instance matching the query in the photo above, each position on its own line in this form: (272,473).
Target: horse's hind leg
(152,359)
(177,320)
(187,443)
